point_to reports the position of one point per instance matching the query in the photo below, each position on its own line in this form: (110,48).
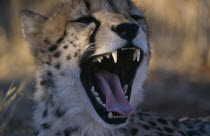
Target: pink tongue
(110,86)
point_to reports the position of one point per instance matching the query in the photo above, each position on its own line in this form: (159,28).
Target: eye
(136,17)
(85,20)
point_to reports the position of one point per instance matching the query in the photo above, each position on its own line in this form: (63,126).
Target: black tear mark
(61,39)
(91,42)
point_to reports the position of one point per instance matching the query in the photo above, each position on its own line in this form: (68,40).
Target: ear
(31,24)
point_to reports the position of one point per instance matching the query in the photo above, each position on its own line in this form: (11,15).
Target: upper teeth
(136,55)
(114,55)
(127,49)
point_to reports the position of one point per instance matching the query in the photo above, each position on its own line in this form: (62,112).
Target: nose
(126,31)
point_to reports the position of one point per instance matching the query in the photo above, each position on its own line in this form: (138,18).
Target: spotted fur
(59,44)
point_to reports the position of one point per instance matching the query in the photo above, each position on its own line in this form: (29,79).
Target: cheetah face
(99,55)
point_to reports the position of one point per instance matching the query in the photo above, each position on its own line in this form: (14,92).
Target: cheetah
(92,59)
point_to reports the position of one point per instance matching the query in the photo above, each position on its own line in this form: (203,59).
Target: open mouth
(108,80)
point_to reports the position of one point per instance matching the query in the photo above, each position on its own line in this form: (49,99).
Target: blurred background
(179,78)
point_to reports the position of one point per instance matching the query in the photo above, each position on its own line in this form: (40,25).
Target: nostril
(126,31)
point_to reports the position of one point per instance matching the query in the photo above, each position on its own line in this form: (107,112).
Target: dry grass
(8,102)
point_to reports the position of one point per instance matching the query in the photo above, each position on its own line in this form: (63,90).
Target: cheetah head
(93,56)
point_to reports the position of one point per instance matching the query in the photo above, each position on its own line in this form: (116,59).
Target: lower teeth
(111,116)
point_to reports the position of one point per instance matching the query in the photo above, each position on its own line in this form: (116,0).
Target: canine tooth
(107,55)
(125,88)
(104,105)
(114,55)
(138,54)
(110,115)
(134,56)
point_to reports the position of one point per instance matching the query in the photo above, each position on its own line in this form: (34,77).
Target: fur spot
(58,133)
(152,123)
(160,134)
(46,126)
(145,127)
(159,129)
(169,130)
(53,48)
(69,131)
(74,45)
(45,113)
(50,100)
(46,41)
(58,66)
(62,73)
(162,121)
(182,133)
(75,55)
(36,133)
(57,54)
(68,57)
(134,131)
(49,73)
(65,47)
(48,63)
(175,123)
(48,82)
(59,113)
